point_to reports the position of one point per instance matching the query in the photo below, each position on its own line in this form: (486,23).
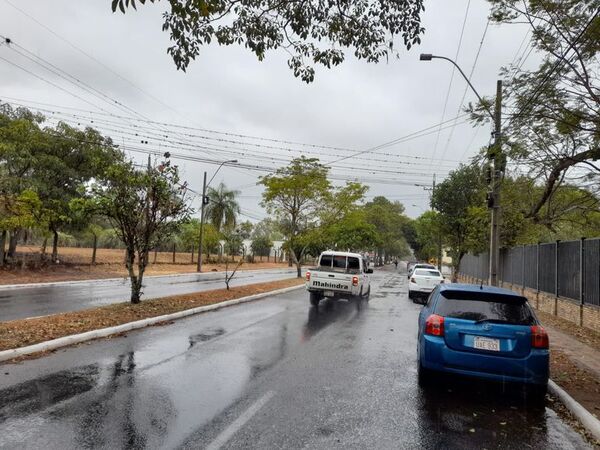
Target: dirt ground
(580,382)
(75,264)
(19,333)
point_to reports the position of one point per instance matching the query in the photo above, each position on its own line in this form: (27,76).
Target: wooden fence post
(174,249)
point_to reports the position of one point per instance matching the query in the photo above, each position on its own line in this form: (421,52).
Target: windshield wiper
(492,321)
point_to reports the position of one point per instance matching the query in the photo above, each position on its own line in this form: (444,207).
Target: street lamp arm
(233,161)
(469,82)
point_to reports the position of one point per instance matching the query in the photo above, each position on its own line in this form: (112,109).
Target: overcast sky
(353,106)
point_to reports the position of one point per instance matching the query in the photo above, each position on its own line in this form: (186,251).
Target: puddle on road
(206,335)
(41,393)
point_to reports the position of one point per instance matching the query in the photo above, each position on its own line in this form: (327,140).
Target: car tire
(368,294)
(424,376)
(315,298)
(536,394)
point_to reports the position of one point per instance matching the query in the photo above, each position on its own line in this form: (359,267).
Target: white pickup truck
(339,274)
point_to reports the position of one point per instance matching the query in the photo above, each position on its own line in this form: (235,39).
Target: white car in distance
(422,281)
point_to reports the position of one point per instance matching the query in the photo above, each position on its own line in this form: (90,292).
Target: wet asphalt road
(33,301)
(275,373)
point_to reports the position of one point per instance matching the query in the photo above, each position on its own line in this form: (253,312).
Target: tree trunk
(55,246)
(297,262)
(43,250)
(12,243)
(94,250)
(2,245)
(136,284)
(456,266)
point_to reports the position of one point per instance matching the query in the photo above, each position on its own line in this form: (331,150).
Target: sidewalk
(574,364)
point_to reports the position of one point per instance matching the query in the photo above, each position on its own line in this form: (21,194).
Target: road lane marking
(238,423)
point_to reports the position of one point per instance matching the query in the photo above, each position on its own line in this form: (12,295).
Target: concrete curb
(586,418)
(104,332)
(123,279)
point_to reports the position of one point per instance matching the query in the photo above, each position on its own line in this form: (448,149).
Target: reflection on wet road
(270,374)
(33,301)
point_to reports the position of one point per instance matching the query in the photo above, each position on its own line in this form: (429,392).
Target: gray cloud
(355,105)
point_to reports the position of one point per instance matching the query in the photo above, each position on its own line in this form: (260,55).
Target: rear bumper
(420,290)
(436,355)
(336,293)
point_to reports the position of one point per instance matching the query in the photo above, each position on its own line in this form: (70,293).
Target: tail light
(434,325)
(307,276)
(539,337)
(412,280)
(354,281)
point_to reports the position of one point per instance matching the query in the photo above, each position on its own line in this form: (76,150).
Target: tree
(554,126)
(145,207)
(311,31)
(353,233)
(71,159)
(388,219)
(18,212)
(56,163)
(188,235)
(294,194)
(223,207)
(233,242)
(428,229)
(261,245)
(460,203)
(245,229)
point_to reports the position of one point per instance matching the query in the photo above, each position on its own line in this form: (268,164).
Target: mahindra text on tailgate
(331,281)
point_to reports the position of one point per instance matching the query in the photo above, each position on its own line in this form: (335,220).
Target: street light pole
(205,201)
(498,170)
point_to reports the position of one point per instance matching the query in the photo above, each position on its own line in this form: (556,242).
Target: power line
(91,57)
(462,31)
(462,100)
(559,62)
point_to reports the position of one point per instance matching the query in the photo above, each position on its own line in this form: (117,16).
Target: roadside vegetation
(20,333)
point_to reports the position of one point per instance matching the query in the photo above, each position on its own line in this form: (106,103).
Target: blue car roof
(463,287)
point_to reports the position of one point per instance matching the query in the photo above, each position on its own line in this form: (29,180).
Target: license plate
(328,293)
(484,343)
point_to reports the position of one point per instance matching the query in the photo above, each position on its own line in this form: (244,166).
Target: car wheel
(536,394)
(424,376)
(315,297)
(368,294)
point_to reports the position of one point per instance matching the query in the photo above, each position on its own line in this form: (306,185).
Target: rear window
(427,273)
(339,263)
(485,306)
(353,264)
(325,261)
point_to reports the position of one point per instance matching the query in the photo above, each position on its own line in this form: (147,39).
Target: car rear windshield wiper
(492,321)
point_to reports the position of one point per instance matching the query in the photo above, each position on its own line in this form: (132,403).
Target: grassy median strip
(20,333)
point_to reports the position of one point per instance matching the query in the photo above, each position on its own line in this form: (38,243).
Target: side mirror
(369,270)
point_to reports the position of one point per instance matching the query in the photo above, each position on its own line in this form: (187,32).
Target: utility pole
(497,174)
(439,249)
(199,264)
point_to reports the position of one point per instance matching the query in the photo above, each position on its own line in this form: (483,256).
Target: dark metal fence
(568,269)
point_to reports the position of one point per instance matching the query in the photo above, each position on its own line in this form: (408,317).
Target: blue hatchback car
(485,332)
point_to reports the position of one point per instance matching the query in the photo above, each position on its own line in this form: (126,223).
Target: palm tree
(222,207)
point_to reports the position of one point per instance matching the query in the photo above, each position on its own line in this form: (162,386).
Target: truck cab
(339,275)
